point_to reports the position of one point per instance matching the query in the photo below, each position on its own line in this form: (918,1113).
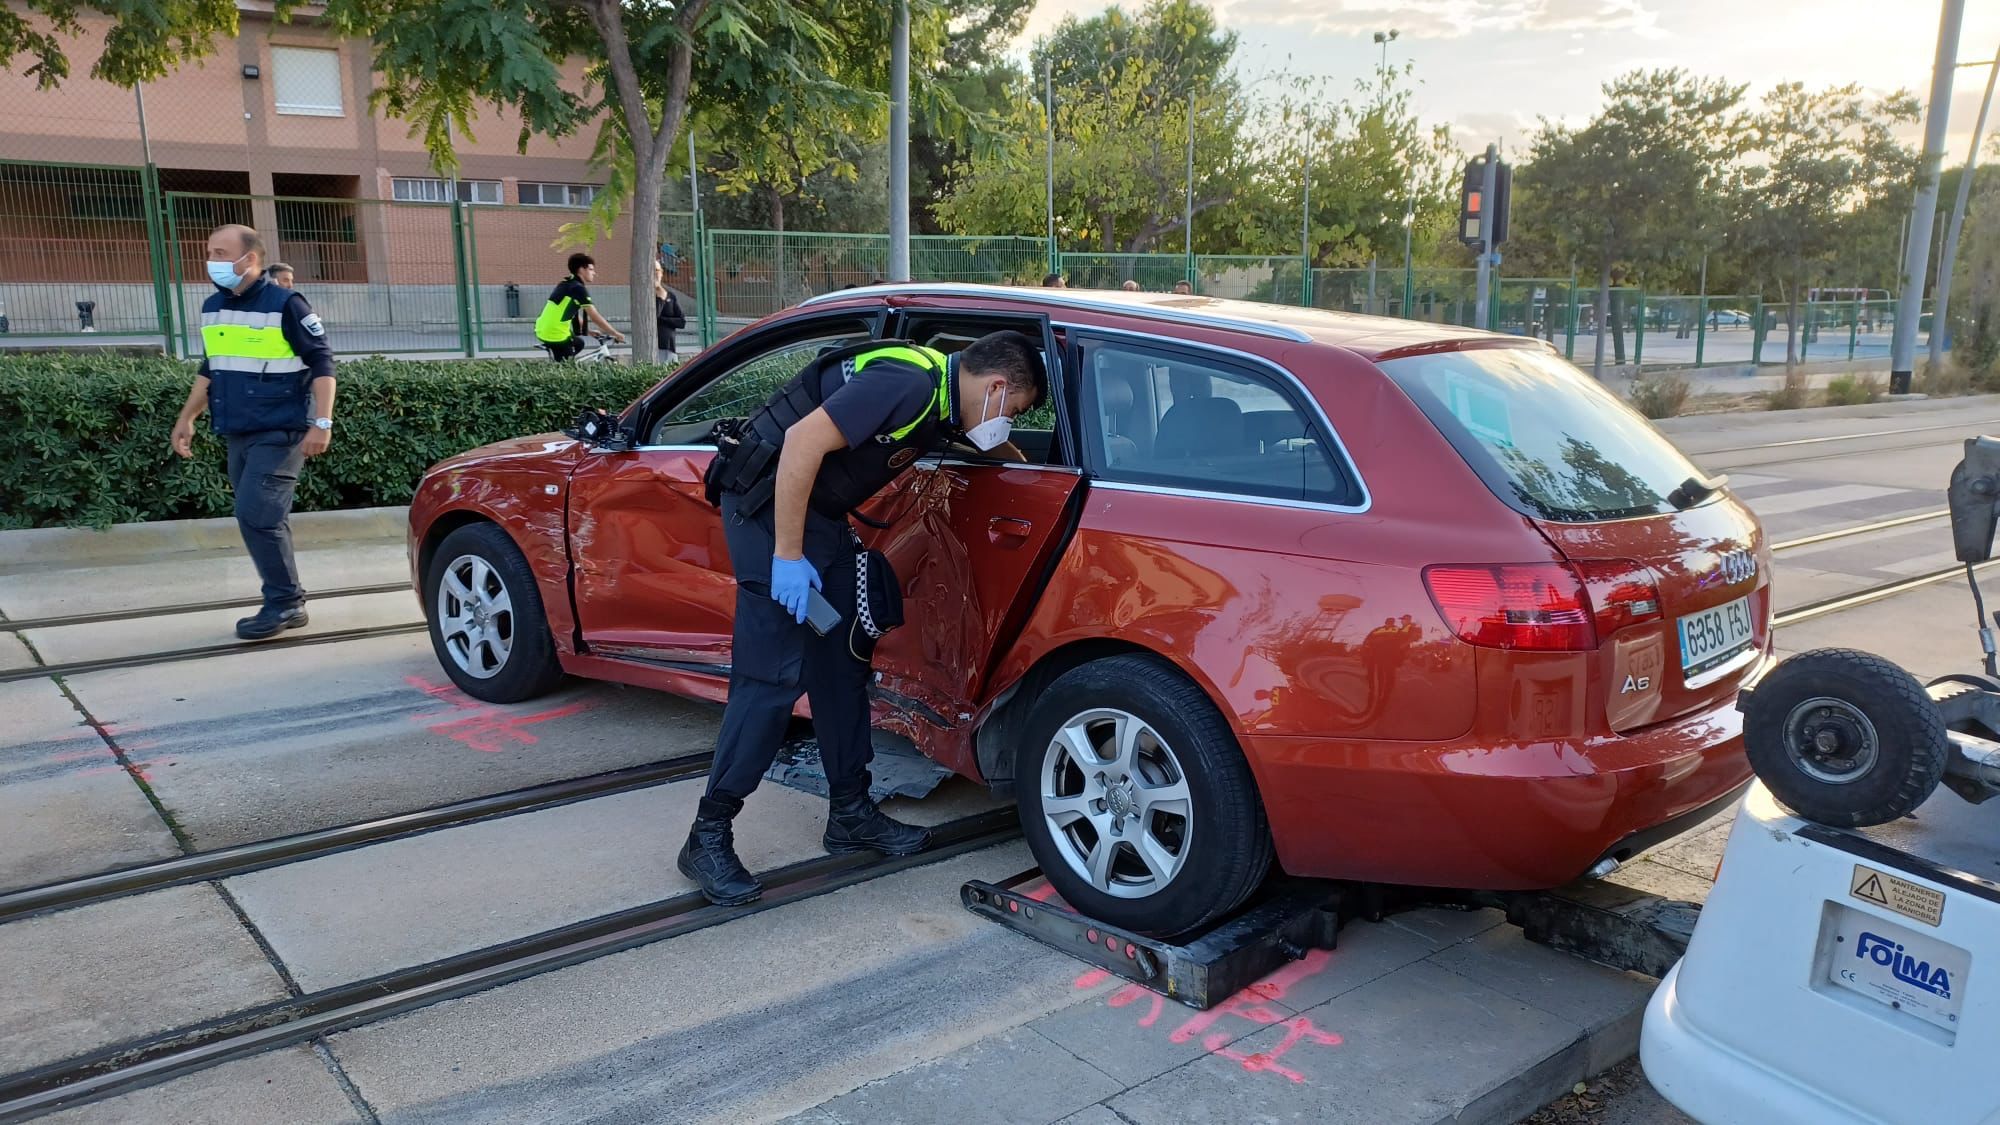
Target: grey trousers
(264,472)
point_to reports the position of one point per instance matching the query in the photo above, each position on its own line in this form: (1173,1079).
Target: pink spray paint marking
(484,726)
(1250,1004)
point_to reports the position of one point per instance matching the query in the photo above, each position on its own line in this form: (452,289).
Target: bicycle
(602,353)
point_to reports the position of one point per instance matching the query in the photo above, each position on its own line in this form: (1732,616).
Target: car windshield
(1544,436)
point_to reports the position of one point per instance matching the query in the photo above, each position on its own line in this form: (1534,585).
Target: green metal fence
(1275,278)
(1154,273)
(105,250)
(80,251)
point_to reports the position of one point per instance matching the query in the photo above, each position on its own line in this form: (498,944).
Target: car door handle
(1008,530)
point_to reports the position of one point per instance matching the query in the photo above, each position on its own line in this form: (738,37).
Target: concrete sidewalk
(1430,1016)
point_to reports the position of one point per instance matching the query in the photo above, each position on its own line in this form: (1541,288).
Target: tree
(1630,189)
(974,73)
(1371,160)
(436,58)
(1125,88)
(1824,161)
(148,38)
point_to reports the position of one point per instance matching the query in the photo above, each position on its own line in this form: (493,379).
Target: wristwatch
(321,423)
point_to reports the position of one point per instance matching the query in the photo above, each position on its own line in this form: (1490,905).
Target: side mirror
(597,428)
(1974,492)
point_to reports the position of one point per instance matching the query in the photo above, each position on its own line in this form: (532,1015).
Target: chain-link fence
(108,252)
(78,253)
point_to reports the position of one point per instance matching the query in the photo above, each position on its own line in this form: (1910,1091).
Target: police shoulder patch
(311,323)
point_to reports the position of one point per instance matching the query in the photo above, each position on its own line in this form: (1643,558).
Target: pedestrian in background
(666,312)
(1054,281)
(1183,288)
(280,275)
(266,380)
(1130,286)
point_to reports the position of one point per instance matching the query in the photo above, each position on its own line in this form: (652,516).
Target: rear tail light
(1537,606)
(1621,592)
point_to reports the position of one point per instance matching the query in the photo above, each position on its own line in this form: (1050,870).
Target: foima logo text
(1890,955)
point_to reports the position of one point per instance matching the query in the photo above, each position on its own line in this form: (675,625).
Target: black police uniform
(893,402)
(262,348)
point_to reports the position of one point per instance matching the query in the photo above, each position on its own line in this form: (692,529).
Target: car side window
(1162,417)
(741,389)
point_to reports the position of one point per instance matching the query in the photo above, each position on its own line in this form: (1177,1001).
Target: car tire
(1213,845)
(485,615)
(1845,738)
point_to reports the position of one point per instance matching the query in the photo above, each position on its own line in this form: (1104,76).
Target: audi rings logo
(1737,566)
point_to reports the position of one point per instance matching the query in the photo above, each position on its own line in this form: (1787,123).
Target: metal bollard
(513,301)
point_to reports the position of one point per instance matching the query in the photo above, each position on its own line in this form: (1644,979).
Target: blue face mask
(224,274)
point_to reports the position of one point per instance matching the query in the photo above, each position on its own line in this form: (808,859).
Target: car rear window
(1544,436)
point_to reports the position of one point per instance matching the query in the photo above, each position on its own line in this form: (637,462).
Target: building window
(557,195)
(306,80)
(418,189)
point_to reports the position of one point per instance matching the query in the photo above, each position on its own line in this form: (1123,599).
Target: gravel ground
(1619,1096)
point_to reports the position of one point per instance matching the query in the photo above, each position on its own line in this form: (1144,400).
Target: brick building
(274,130)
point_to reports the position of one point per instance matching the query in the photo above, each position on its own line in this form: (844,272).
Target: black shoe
(854,824)
(709,857)
(269,622)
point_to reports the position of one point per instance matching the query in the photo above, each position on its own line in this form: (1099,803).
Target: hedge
(86,437)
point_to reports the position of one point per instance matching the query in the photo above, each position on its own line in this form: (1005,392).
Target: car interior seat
(1114,407)
(1200,424)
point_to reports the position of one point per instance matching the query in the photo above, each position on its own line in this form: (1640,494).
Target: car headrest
(1114,393)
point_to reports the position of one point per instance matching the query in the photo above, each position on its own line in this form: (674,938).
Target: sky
(1491,68)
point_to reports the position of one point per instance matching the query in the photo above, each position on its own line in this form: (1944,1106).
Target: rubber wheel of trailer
(486,621)
(1845,738)
(1136,799)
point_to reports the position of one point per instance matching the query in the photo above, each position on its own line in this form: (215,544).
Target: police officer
(560,325)
(266,378)
(788,478)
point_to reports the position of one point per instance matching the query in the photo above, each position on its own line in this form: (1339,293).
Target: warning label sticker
(1911,900)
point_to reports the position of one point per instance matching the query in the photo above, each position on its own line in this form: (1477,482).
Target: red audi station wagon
(1371,599)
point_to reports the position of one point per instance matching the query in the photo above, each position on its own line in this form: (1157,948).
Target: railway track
(198,652)
(141,612)
(223,863)
(157,1058)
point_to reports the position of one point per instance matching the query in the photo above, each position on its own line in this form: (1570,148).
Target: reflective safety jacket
(561,317)
(848,477)
(261,349)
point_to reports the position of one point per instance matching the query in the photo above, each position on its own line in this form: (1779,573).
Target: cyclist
(561,323)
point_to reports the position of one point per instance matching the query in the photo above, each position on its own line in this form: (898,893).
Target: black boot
(854,824)
(709,857)
(270,621)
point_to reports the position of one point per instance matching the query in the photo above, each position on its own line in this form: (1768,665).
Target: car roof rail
(1073,299)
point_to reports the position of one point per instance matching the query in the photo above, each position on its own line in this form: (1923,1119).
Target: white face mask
(991,431)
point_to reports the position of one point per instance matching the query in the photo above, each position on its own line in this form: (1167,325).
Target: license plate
(1897,967)
(1714,635)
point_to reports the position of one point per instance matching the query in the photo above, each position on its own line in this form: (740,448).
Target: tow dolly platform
(1606,923)
(1212,965)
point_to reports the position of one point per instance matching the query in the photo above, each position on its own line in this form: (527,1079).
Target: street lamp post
(1384,38)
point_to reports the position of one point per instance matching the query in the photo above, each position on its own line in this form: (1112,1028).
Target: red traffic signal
(1475,213)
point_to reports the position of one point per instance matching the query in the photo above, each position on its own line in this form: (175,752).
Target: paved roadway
(884,1002)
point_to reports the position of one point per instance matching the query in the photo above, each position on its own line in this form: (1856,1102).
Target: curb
(1889,407)
(42,545)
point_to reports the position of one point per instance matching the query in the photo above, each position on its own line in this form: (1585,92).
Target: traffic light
(1476,213)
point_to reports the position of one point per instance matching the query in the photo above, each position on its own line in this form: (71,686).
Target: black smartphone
(820,613)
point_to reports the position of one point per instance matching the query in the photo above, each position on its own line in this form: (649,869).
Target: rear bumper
(1523,816)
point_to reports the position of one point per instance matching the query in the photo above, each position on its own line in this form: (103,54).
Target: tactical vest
(255,380)
(847,478)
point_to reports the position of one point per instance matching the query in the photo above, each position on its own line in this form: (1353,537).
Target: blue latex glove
(790,579)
